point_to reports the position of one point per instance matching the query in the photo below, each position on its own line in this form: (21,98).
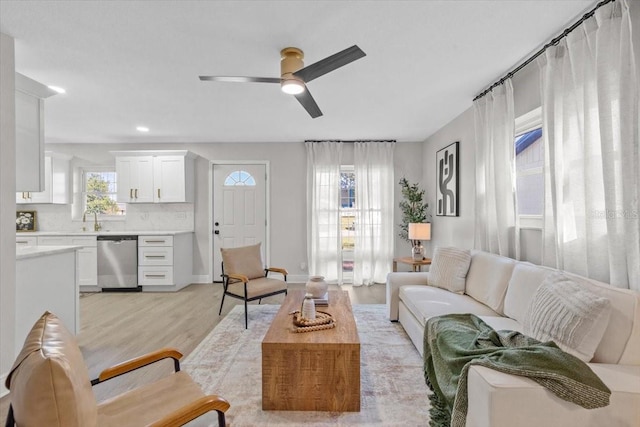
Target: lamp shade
(420,231)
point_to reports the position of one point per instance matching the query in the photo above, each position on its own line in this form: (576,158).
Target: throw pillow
(449,268)
(566,312)
(245,260)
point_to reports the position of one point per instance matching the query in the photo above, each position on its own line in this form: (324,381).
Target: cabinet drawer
(155,240)
(150,255)
(54,241)
(155,276)
(87,241)
(26,241)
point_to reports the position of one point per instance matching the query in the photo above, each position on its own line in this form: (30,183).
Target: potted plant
(414,207)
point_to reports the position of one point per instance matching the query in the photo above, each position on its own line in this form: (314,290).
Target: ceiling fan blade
(240,79)
(329,63)
(309,103)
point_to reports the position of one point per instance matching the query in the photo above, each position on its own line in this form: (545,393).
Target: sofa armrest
(493,395)
(394,281)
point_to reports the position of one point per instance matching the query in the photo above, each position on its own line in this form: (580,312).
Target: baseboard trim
(201,279)
(297,278)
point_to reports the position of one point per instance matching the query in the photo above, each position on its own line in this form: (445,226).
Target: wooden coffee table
(312,371)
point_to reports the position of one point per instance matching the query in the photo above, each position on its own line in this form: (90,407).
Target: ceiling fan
(294,76)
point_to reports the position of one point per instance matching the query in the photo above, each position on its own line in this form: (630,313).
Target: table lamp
(418,232)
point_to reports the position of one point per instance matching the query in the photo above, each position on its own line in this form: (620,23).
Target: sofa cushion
(425,302)
(621,340)
(565,311)
(500,323)
(449,269)
(245,260)
(488,278)
(525,280)
(49,381)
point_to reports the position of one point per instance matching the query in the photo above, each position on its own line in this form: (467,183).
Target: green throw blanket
(454,342)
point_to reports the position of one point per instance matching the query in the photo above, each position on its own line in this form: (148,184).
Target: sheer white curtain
(374,244)
(323,210)
(496,219)
(592,172)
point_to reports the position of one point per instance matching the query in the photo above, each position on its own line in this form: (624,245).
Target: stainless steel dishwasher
(118,263)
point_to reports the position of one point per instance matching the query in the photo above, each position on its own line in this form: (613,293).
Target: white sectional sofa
(499,290)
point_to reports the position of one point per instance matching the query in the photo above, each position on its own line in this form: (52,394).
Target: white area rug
(393,391)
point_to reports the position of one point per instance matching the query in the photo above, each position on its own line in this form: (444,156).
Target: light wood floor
(119,326)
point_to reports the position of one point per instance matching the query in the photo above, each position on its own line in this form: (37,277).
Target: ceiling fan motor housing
(291,61)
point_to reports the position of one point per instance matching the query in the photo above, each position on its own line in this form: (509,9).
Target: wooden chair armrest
(139,362)
(282,271)
(240,277)
(193,410)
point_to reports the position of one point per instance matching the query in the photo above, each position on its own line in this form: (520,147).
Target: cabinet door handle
(136,193)
(131,193)
(158,193)
(155,276)
(155,241)
(154,256)
(21,242)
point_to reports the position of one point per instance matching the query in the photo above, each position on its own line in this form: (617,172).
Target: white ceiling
(131,63)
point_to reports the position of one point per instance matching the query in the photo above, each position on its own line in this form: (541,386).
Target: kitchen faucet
(96,226)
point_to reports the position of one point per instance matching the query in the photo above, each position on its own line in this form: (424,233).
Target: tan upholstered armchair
(245,277)
(50,386)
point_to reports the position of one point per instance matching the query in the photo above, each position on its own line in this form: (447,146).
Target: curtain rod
(349,141)
(553,42)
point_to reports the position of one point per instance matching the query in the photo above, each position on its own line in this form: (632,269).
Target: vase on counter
(316,286)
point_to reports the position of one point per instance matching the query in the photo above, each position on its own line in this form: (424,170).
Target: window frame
(526,123)
(347,276)
(82,200)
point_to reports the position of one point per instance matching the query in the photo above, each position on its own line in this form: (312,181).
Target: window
(529,150)
(236,178)
(99,193)
(347,219)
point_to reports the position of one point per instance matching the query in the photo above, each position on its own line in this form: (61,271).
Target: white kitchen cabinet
(86,257)
(57,182)
(30,133)
(135,179)
(25,241)
(46,282)
(165,261)
(155,176)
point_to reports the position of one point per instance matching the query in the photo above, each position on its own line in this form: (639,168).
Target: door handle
(216,232)
(136,193)
(158,193)
(131,193)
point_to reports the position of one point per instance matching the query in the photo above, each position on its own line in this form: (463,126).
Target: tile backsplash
(139,217)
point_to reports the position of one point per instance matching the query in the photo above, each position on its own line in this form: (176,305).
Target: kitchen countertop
(38,251)
(104,233)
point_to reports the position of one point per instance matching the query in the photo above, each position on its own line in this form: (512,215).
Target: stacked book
(322,301)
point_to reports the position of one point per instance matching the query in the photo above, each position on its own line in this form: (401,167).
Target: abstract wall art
(447,181)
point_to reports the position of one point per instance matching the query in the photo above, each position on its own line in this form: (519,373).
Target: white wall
(288,174)
(448,230)
(526,91)
(7,207)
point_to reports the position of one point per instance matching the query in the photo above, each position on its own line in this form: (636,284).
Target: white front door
(239,209)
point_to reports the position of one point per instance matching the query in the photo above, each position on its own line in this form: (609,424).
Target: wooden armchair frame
(178,417)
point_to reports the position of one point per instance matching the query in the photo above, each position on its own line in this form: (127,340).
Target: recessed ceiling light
(57,89)
(142,129)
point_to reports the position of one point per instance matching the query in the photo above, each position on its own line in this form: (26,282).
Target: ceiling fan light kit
(294,76)
(290,62)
